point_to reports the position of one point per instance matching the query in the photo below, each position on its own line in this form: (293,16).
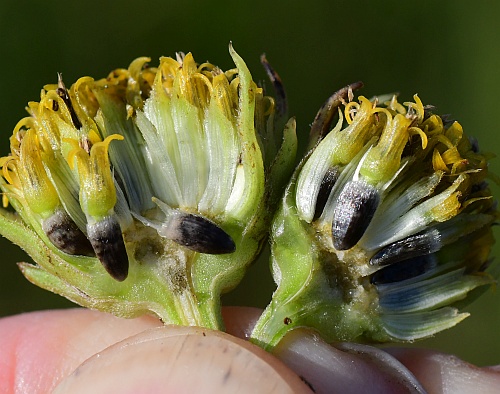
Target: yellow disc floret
(97,188)
(38,190)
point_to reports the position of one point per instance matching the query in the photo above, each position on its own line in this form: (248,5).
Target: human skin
(80,350)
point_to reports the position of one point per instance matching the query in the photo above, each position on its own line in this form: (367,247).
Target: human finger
(445,374)
(38,349)
(183,360)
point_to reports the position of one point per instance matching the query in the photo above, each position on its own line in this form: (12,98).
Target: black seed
(403,270)
(326,187)
(354,211)
(107,240)
(201,235)
(425,242)
(63,232)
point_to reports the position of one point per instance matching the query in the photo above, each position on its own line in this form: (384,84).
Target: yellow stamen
(97,188)
(432,126)
(395,106)
(4,163)
(223,96)
(454,133)
(384,159)
(438,163)
(441,138)
(38,190)
(415,110)
(93,137)
(351,109)
(417,131)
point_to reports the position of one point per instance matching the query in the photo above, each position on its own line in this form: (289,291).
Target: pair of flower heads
(153,189)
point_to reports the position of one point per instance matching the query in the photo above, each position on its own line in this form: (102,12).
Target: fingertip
(348,368)
(39,348)
(446,374)
(182,359)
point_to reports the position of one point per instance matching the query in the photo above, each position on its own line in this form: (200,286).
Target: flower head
(149,190)
(384,227)
(152,190)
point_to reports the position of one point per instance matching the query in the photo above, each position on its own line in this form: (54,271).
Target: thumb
(182,360)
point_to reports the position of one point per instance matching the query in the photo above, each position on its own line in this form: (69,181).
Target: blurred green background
(446,51)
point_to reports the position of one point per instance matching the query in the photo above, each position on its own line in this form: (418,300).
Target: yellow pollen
(4,163)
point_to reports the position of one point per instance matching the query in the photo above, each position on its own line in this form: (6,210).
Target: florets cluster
(152,190)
